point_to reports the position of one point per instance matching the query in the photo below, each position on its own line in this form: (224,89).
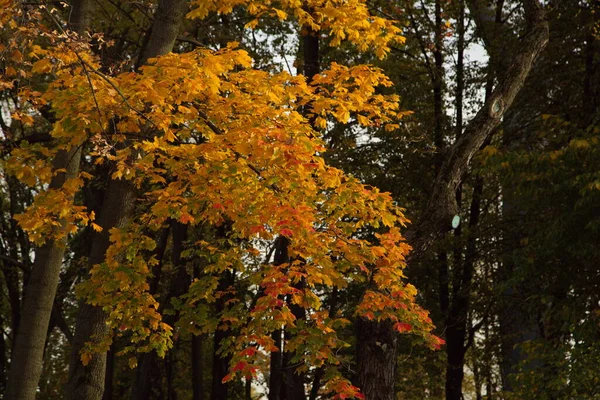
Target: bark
(376,359)
(87,382)
(284,382)
(248,389)
(294,382)
(375,374)
(438,84)
(3,361)
(147,372)
(146,369)
(149,367)
(442,204)
(320,372)
(167,20)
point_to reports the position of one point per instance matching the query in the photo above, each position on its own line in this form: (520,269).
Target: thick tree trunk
(375,367)
(28,351)
(28,347)
(376,359)
(87,382)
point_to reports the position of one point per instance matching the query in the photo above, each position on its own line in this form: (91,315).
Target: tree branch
(435,221)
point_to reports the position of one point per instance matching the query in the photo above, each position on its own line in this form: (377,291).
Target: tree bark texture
(375,367)
(376,359)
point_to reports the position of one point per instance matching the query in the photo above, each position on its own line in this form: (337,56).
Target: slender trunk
(320,372)
(221,362)
(287,384)
(248,389)
(197,368)
(294,382)
(3,361)
(197,358)
(169,363)
(277,389)
(456,322)
(87,382)
(149,368)
(276,372)
(10,271)
(438,83)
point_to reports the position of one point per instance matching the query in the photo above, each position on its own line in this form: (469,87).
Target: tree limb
(442,204)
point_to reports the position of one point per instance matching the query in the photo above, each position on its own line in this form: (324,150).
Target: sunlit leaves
(342,20)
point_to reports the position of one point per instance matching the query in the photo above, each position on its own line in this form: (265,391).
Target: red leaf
(287,232)
(239,366)
(402,327)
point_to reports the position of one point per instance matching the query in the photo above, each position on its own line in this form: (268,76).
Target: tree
(171,133)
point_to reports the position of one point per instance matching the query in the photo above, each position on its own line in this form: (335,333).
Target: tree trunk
(275,367)
(87,382)
(197,368)
(221,362)
(376,359)
(197,357)
(28,347)
(28,351)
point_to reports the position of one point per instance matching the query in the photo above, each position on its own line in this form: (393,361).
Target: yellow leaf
(86,357)
(42,66)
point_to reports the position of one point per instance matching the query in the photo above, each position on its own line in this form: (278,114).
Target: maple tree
(204,139)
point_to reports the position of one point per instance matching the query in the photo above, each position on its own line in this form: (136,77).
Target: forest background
(237,204)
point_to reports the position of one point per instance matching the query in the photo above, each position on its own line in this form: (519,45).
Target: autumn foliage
(236,153)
